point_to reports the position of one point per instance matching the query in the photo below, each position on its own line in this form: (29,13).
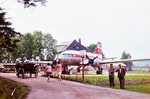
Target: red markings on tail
(98,49)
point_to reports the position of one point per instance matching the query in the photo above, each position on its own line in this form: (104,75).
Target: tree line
(30,46)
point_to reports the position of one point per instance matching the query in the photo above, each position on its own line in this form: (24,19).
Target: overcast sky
(120,25)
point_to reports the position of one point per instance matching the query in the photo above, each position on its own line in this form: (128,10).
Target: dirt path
(41,89)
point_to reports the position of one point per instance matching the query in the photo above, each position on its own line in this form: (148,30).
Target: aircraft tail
(98,49)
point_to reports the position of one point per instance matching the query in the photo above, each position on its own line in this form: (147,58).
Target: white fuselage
(71,57)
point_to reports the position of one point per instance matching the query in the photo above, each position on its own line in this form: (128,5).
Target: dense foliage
(92,47)
(8,36)
(32,45)
(127,56)
(36,44)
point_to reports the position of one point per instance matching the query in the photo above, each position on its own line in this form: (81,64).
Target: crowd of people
(47,68)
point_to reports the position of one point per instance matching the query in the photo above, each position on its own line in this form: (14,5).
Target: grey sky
(120,25)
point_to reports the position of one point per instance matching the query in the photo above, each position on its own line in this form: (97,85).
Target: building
(72,45)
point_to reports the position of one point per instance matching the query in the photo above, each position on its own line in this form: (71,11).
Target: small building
(73,45)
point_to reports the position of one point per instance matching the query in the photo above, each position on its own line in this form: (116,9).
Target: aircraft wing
(122,60)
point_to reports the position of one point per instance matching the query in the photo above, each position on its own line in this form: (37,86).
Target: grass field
(137,81)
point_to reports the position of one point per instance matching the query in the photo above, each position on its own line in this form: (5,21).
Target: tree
(38,44)
(49,44)
(8,37)
(103,55)
(7,34)
(26,46)
(127,56)
(92,48)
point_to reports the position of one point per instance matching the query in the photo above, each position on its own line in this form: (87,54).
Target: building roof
(75,46)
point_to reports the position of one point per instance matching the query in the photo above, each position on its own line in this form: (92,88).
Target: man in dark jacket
(121,73)
(111,75)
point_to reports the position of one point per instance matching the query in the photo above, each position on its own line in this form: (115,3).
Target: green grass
(7,86)
(143,88)
(138,72)
(137,83)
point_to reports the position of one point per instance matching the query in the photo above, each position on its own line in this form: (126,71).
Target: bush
(7,87)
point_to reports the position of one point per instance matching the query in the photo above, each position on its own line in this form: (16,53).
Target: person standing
(48,71)
(111,75)
(121,73)
(59,70)
(18,65)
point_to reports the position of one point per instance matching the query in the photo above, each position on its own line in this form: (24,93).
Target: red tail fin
(98,49)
